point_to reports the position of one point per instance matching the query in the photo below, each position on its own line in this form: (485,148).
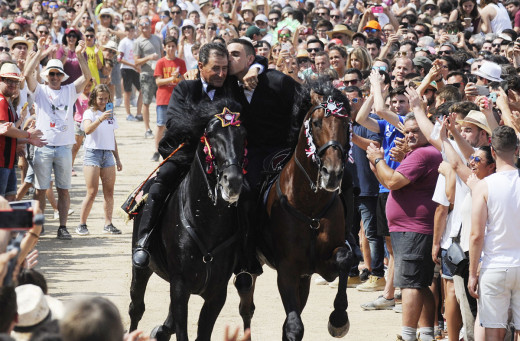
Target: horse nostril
(325,170)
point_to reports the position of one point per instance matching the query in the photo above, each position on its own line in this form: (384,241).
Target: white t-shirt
(126,47)
(54,116)
(103,137)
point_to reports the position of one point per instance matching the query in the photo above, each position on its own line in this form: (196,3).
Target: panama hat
(110,45)
(10,70)
(490,71)
(35,308)
(429,3)
(107,11)
(340,29)
(477,118)
(54,64)
(21,40)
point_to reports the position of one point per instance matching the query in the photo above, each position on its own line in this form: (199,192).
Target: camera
(14,244)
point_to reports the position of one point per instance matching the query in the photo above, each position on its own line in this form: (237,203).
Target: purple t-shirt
(411,208)
(517,19)
(71,65)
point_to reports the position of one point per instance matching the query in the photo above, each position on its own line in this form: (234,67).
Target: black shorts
(382,223)
(413,264)
(130,77)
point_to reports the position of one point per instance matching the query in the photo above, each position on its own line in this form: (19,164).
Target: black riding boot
(152,208)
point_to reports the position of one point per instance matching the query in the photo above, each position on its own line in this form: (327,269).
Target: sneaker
(155,157)
(56,215)
(364,275)
(119,101)
(131,118)
(148,134)
(374,283)
(379,303)
(64,234)
(320,280)
(139,117)
(82,230)
(398,308)
(111,229)
(353,281)
(438,335)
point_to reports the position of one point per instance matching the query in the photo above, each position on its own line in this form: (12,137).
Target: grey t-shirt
(145,47)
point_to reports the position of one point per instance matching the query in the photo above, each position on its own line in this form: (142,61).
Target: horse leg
(288,286)
(305,286)
(247,305)
(209,313)
(165,330)
(338,320)
(136,309)
(179,297)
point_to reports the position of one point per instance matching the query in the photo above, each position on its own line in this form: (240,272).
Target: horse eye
(317,123)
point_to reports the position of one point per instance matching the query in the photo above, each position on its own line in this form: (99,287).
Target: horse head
(327,132)
(225,148)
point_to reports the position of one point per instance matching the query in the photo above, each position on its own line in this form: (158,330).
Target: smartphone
(467,21)
(286,46)
(14,244)
(482,90)
(20,217)
(493,97)
(110,107)
(377,9)
(453,38)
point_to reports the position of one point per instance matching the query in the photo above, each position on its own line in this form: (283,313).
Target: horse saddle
(272,166)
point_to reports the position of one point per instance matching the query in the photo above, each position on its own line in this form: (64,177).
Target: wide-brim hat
(477,118)
(10,70)
(35,308)
(107,11)
(429,3)
(203,3)
(490,71)
(340,29)
(54,64)
(248,7)
(302,53)
(188,23)
(21,40)
(110,45)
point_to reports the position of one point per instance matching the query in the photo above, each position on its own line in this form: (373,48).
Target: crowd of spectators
(434,90)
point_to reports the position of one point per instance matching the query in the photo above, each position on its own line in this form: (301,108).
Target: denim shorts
(7,181)
(98,158)
(413,263)
(446,273)
(49,158)
(161,115)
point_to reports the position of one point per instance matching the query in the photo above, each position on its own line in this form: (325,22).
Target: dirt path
(100,265)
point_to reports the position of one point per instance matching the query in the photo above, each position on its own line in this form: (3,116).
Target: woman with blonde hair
(100,145)
(359,59)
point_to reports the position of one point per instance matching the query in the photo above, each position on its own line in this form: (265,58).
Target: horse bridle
(331,109)
(214,168)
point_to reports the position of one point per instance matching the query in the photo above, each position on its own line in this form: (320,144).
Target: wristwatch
(377,160)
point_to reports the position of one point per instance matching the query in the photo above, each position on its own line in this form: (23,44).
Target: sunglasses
(55,74)
(163,16)
(321,13)
(333,16)
(85,18)
(314,49)
(444,52)
(176,12)
(476,159)
(213,28)
(371,30)
(401,53)
(274,19)
(420,32)
(351,82)
(287,35)
(72,36)
(10,81)
(43,32)
(6,49)
(105,16)
(143,24)
(418,49)
(496,45)
(457,85)
(303,60)
(379,68)
(429,8)
(54,6)
(89,36)
(45,3)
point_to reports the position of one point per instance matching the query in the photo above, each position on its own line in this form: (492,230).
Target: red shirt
(164,69)
(7,144)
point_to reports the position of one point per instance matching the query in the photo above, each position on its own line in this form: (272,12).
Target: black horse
(196,248)
(304,231)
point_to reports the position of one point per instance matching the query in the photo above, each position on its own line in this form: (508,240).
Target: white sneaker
(57,214)
(320,280)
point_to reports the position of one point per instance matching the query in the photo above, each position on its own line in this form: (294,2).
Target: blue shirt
(388,133)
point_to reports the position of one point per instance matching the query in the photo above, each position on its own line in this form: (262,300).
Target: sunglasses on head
(55,74)
(371,30)
(45,3)
(6,49)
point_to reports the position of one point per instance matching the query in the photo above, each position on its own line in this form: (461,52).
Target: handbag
(455,259)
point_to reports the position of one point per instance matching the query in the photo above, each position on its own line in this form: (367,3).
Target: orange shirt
(164,69)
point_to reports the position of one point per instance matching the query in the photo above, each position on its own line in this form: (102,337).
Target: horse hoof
(243,281)
(338,331)
(160,334)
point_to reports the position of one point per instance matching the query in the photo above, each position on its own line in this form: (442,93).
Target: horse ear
(316,98)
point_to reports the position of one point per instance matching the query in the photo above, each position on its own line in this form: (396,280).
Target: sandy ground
(100,265)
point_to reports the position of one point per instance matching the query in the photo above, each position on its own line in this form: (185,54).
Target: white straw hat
(54,64)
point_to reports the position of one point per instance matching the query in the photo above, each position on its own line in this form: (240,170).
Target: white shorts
(499,290)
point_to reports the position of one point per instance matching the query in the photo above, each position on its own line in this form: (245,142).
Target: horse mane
(303,104)
(189,126)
